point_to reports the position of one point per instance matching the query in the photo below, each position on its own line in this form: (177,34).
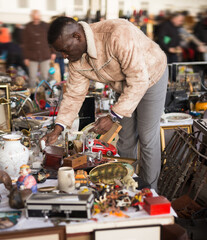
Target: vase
(13,154)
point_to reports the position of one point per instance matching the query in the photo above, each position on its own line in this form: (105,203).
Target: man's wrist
(115,115)
(58,128)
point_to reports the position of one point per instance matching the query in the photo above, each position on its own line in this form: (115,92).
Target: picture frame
(136,233)
(166,132)
(5,108)
(53,233)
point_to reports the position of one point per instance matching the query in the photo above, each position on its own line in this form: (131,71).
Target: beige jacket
(120,55)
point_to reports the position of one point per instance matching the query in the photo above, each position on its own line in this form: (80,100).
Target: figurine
(26,180)
(16,197)
(137,201)
(128,181)
(41,176)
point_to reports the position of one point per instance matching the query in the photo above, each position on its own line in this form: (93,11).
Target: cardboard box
(75,160)
(157,205)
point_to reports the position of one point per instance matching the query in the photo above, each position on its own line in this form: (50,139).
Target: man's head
(177,19)
(35,16)
(67,36)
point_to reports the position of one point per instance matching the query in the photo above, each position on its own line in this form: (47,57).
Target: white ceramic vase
(13,154)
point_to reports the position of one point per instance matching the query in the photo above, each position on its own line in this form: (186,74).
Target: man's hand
(52,137)
(102,125)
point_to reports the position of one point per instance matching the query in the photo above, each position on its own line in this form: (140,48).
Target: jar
(13,154)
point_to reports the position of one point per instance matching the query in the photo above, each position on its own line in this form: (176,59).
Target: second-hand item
(157,205)
(13,154)
(16,196)
(26,180)
(9,218)
(60,206)
(66,179)
(176,117)
(53,157)
(111,134)
(201,104)
(107,173)
(75,160)
(81,178)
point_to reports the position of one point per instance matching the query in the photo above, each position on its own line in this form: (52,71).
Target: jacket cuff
(119,117)
(61,125)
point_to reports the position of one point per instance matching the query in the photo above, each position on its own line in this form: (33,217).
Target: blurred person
(5,39)
(36,50)
(116,53)
(5,36)
(189,42)
(168,37)
(200,31)
(15,54)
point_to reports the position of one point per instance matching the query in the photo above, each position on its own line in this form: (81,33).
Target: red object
(106,148)
(42,104)
(157,205)
(146,192)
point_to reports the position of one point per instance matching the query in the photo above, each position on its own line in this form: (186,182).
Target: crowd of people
(26,46)
(181,36)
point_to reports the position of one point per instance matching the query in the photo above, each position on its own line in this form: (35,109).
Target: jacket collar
(91,47)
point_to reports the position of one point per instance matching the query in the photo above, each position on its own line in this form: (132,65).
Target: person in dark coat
(168,37)
(36,50)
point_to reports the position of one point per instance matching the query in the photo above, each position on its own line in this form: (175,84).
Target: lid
(12,137)
(156,200)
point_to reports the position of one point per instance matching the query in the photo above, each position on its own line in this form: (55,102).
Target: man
(117,53)
(168,36)
(36,50)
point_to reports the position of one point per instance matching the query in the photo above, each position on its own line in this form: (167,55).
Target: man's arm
(130,54)
(77,88)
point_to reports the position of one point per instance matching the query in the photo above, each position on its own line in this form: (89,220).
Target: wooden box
(157,205)
(75,160)
(53,157)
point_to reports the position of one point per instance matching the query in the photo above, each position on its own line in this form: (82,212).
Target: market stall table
(140,221)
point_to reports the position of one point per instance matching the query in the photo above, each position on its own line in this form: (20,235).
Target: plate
(129,167)
(9,219)
(46,189)
(176,117)
(108,172)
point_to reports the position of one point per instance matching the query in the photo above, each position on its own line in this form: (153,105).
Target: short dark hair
(56,28)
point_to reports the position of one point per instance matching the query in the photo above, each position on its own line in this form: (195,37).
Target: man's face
(178,20)
(70,47)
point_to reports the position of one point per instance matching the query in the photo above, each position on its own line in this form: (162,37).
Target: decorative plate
(176,117)
(108,172)
(9,219)
(129,167)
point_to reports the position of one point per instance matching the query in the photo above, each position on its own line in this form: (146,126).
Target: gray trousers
(33,70)
(144,125)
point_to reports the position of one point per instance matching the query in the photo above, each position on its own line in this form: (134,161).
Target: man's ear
(77,35)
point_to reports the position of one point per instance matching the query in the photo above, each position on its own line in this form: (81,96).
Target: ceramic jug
(66,179)
(13,154)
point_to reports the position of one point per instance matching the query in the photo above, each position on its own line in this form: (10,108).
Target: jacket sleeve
(76,90)
(130,51)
